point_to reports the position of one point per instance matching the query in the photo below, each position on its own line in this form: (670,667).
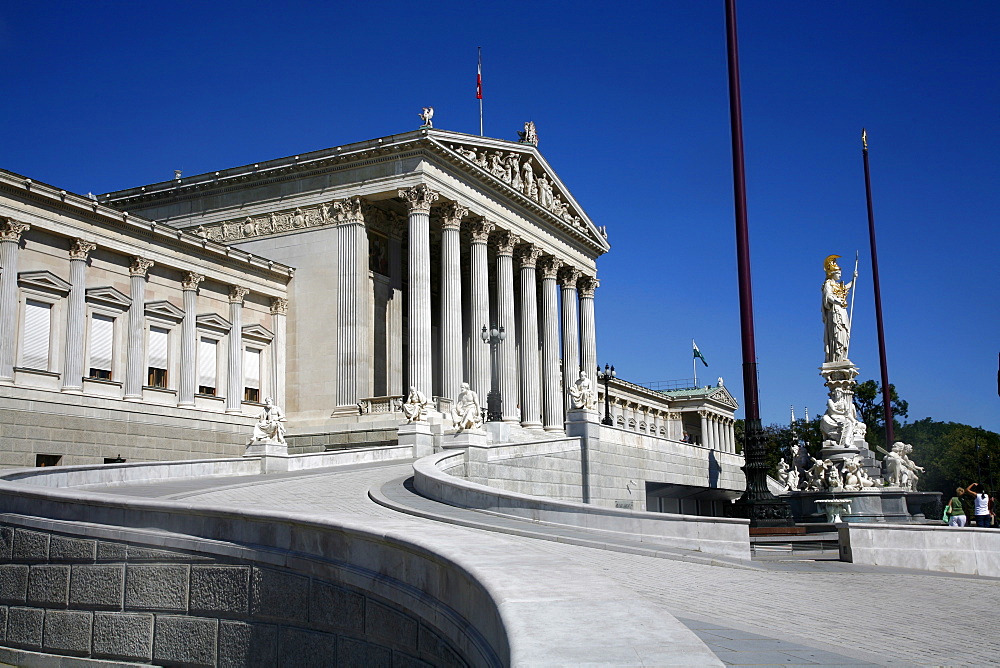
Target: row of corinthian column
(534,397)
(135,354)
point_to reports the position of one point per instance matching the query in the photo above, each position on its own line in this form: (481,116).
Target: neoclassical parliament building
(151,323)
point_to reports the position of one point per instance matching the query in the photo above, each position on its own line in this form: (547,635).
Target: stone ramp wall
(972,551)
(85,597)
(433,477)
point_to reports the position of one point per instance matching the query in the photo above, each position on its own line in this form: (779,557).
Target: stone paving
(778,613)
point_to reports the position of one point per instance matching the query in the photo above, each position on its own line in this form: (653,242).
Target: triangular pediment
(720,395)
(257,333)
(164,309)
(520,171)
(213,321)
(44,280)
(108,296)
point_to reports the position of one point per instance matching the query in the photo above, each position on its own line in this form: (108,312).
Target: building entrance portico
(404,248)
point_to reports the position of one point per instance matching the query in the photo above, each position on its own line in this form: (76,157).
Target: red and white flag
(479,77)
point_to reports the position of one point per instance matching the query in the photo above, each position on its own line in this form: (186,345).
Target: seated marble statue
(270,425)
(416,406)
(582,393)
(466,411)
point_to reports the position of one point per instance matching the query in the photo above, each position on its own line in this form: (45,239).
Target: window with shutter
(37,325)
(251,372)
(102,334)
(157,376)
(207,361)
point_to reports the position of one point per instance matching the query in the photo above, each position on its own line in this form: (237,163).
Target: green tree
(869,405)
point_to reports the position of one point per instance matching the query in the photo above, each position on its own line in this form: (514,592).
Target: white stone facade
(101,310)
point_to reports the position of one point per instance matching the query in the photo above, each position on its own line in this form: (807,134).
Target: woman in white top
(982,504)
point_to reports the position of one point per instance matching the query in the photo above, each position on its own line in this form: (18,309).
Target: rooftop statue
(837,324)
(426,115)
(529,136)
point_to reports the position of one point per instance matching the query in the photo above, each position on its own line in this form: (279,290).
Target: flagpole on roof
(694,362)
(479,88)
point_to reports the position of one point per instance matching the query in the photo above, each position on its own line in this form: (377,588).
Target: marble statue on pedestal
(269,427)
(788,476)
(855,477)
(900,470)
(836,322)
(582,393)
(416,406)
(466,411)
(839,423)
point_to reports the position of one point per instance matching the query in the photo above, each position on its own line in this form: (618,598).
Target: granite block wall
(114,601)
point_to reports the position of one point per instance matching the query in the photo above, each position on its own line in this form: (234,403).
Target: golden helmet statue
(830,265)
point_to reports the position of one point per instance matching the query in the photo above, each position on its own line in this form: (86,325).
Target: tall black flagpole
(886,394)
(762,508)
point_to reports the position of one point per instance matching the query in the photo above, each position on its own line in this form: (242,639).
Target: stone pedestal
(469,438)
(274,454)
(890,505)
(419,436)
(586,425)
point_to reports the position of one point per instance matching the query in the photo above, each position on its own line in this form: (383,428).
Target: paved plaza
(767,613)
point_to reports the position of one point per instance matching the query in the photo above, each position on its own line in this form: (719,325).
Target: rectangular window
(37,323)
(207,361)
(47,460)
(102,334)
(157,376)
(251,374)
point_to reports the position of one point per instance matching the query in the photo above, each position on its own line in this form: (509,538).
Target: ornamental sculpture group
(842,460)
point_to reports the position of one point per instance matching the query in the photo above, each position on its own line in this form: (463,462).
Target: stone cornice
(561,211)
(83,208)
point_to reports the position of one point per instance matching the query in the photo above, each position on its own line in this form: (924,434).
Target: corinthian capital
(279,306)
(80,249)
(480,231)
(349,211)
(237,293)
(529,255)
(191,281)
(587,286)
(139,266)
(452,215)
(569,276)
(11,230)
(550,267)
(506,242)
(419,198)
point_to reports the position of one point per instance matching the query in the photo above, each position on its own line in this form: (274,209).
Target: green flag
(697,353)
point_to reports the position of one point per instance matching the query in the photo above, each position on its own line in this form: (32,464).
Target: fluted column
(507,350)
(451,300)
(479,353)
(234,382)
(189,370)
(350,235)
(136,355)
(279,310)
(570,332)
(76,315)
(588,329)
(10,239)
(531,399)
(730,437)
(553,398)
(419,199)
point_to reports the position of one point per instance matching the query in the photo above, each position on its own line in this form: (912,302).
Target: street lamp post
(606,376)
(493,337)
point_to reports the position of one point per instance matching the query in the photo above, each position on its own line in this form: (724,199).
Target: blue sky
(630,101)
